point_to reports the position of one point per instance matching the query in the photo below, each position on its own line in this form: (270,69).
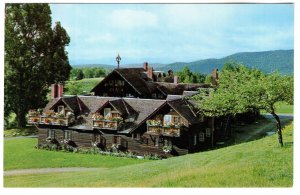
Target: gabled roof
(71,102)
(145,108)
(93,103)
(120,105)
(183,108)
(133,76)
(140,109)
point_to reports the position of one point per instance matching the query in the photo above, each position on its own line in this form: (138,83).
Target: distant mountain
(267,61)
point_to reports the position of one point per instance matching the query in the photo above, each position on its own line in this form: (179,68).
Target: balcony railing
(33,119)
(172,131)
(50,120)
(106,124)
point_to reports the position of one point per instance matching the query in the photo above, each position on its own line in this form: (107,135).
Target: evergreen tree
(79,75)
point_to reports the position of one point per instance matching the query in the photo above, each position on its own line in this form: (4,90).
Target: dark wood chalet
(133,109)
(142,83)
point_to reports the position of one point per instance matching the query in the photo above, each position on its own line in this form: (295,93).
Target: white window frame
(61,109)
(201,137)
(67,135)
(195,139)
(169,119)
(51,133)
(107,111)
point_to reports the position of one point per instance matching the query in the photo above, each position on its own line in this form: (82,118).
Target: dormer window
(107,112)
(167,119)
(61,109)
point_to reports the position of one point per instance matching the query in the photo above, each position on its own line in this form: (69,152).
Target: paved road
(261,128)
(49,170)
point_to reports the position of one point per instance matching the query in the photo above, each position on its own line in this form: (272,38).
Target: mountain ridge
(267,61)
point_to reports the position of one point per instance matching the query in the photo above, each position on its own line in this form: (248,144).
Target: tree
(79,75)
(88,73)
(100,72)
(242,89)
(34,57)
(186,76)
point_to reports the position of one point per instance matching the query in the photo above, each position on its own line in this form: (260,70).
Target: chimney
(53,91)
(215,77)
(150,73)
(60,90)
(146,66)
(176,79)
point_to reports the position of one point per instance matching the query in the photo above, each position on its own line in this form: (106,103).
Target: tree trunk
(279,132)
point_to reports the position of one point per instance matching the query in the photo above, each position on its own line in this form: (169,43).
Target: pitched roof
(184,109)
(72,102)
(178,89)
(93,103)
(144,108)
(135,77)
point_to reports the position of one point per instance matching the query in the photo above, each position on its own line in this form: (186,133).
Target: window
(138,136)
(167,119)
(157,141)
(167,142)
(61,109)
(177,119)
(160,96)
(67,135)
(208,134)
(201,137)
(195,139)
(107,112)
(51,133)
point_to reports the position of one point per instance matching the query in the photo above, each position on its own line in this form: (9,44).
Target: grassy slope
(84,85)
(282,108)
(21,154)
(260,163)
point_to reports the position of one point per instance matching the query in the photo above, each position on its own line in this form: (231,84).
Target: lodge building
(134,109)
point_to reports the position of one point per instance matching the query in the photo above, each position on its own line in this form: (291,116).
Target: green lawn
(81,86)
(260,163)
(282,108)
(21,154)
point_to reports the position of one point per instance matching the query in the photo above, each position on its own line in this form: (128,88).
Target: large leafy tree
(241,89)
(35,57)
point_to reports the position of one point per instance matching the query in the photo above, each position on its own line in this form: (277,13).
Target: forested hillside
(267,61)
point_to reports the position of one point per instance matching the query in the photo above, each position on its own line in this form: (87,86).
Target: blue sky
(166,33)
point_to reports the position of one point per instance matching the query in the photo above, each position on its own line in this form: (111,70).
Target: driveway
(260,128)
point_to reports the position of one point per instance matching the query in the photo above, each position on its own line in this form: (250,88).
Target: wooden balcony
(171,131)
(106,124)
(50,120)
(33,119)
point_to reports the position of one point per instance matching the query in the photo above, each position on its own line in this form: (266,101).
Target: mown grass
(282,108)
(21,154)
(260,163)
(83,86)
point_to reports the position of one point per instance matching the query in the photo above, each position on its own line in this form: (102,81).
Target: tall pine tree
(35,57)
